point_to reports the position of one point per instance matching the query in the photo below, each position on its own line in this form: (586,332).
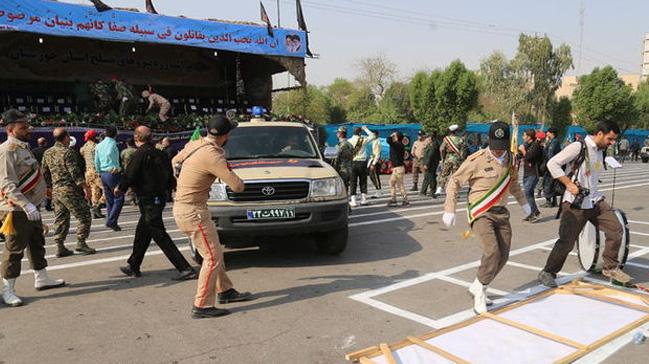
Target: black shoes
(186,275)
(62,251)
(232,295)
(208,312)
(114,227)
(130,271)
(547,279)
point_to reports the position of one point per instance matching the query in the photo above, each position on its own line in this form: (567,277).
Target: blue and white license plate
(271,214)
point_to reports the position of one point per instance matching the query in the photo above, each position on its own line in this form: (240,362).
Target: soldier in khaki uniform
(491,177)
(22,188)
(62,172)
(203,161)
(92,178)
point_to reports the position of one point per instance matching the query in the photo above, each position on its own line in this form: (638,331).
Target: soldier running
(491,177)
(125,97)
(63,175)
(22,188)
(453,152)
(203,161)
(93,181)
(156,100)
(344,156)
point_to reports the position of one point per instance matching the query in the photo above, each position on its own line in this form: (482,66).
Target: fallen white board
(559,325)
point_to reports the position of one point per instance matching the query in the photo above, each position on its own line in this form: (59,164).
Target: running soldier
(202,162)
(63,175)
(156,100)
(491,178)
(22,188)
(343,161)
(93,181)
(103,96)
(125,97)
(452,152)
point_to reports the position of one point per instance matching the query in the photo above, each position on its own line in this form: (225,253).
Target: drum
(590,245)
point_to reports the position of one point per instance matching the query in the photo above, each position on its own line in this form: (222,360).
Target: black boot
(96,213)
(62,251)
(208,312)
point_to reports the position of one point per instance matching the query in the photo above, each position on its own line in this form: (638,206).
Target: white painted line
(466,284)
(638,222)
(398,311)
(547,248)
(531,267)
(446,272)
(99,261)
(639,233)
(638,265)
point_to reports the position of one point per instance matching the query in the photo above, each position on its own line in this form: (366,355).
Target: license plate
(267,214)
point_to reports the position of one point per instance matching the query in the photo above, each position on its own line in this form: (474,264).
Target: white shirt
(589,172)
(362,153)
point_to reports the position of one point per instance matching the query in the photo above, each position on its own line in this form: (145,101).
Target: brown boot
(63,251)
(84,249)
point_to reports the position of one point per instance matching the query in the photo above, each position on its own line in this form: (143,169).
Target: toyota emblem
(268,191)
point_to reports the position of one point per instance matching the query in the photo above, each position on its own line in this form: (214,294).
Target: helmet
(257,111)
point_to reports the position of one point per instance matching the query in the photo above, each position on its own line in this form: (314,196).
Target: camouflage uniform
(126,156)
(62,173)
(92,178)
(103,96)
(451,160)
(126,98)
(343,161)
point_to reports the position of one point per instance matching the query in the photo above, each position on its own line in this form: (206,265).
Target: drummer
(593,208)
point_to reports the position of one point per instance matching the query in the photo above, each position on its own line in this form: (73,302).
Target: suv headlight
(218,192)
(326,187)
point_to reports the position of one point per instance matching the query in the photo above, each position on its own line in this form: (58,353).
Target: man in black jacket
(397,154)
(552,148)
(150,175)
(532,157)
(429,164)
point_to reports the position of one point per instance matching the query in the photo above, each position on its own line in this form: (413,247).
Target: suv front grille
(260,191)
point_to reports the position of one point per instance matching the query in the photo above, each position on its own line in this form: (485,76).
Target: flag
(196,135)
(302,24)
(149,7)
(266,19)
(514,141)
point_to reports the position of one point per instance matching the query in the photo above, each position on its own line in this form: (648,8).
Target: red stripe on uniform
(209,274)
(493,202)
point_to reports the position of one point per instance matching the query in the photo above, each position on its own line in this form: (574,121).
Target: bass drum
(591,242)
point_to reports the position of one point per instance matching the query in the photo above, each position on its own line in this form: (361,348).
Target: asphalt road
(402,274)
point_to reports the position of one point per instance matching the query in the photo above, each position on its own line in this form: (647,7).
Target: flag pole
(279,25)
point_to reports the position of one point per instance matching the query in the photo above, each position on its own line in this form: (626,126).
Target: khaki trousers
(572,223)
(196,222)
(94,183)
(29,235)
(396,182)
(495,235)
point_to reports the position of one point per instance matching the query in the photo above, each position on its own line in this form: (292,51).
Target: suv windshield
(270,142)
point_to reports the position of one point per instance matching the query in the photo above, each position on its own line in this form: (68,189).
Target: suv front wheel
(332,242)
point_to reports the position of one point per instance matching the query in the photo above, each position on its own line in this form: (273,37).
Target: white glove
(449,219)
(527,210)
(32,212)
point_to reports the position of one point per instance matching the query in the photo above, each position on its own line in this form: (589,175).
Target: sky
(425,35)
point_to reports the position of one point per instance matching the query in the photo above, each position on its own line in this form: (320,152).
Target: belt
(498,210)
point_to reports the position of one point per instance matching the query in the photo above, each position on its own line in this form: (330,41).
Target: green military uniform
(453,153)
(17,164)
(430,161)
(125,157)
(126,98)
(61,168)
(343,161)
(103,96)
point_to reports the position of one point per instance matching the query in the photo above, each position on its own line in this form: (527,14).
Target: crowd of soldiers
(79,184)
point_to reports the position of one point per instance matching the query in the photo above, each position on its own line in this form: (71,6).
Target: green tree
(602,96)
(642,105)
(394,107)
(339,92)
(362,104)
(561,114)
(418,85)
(543,67)
(312,103)
(456,94)
(503,86)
